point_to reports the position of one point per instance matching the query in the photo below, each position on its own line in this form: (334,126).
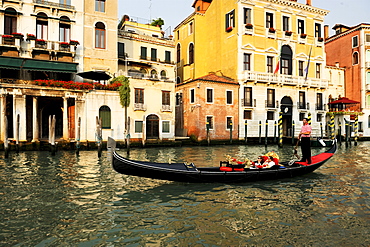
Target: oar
(295,150)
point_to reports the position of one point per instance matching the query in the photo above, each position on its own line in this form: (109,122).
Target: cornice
(300,6)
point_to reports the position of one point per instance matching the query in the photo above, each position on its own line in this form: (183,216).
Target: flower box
(249,26)
(288,33)
(30,37)
(7,37)
(40,41)
(272,30)
(229,29)
(18,35)
(320,39)
(74,42)
(64,44)
(303,35)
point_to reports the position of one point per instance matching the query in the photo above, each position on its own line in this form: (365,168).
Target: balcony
(320,107)
(271,104)
(49,4)
(139,107)
(166,108)
(367,87)
(288,80)
(303,106)
(248,103)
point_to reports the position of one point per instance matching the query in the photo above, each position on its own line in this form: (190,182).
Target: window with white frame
(229,97)
(165,126)
(209,95)
(317,30)
(270,64)
(318,70)
(192,96)
(138,126)
(209,122)
(229,123)
(286,20)
(354,41)
(247,15)
(247,61)
(269,20)
(230,19)
(301,27)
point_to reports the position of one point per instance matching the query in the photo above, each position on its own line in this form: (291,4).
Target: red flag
(277,67)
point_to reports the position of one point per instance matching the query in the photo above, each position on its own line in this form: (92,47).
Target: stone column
(35,120)
(20,108)
(65,119)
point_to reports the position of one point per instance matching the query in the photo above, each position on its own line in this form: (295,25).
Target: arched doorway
(152,127)
(286,107)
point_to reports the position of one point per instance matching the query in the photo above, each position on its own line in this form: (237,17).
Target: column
(35,120)
(20,108)
(65,119)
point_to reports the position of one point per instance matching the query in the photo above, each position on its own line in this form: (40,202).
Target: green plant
(124,93)
(157,22)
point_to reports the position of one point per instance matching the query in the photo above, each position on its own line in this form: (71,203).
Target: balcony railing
(166,108)
(303,105)
(271,104)
(51,4)
(246,103)
(139,107)
(141,37)
(280,79)
(320,107)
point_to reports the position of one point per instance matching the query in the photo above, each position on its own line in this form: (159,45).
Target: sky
(347,12)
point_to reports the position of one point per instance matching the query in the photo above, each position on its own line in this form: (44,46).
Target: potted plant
(303,35)
(288,33)
(7,37)
(18,35)
(64,44)
(74,42)
(320,39)
(40,41)
(229,29)
(249,26)
(157,23)
(272,30)
(31,37)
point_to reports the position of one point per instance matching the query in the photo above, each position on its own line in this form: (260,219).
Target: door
(152,127)
(286,107)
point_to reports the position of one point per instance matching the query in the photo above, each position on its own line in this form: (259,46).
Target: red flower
(7,36)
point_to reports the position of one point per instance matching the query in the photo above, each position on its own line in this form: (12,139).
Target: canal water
(65,200)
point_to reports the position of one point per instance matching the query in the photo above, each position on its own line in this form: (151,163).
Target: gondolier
(305,137)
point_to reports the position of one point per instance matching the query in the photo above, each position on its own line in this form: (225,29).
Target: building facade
(146,58)
(273,49)
(349,49)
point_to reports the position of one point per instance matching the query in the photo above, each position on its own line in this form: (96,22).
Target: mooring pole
(17,134)
(280,129)
(207,129)
(128,135)
(275,126)
(231,132)
(293,131)
(356,129)
(259,132)
(6,143)
(245,131)
(52,135)
(78,136)
(266,132)
(99,135)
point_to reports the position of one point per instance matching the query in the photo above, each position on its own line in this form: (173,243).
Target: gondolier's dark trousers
(306,149)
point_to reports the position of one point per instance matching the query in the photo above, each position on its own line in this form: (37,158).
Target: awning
(11,62)
(40,65)
(343,100)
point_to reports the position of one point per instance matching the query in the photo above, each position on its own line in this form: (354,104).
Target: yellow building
(100,36)
(266,46)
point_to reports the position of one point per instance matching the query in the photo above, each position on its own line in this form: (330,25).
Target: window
(167,56)
(270,66)
(302,100)
(269,20)
(163,75)
(301,26)
(270,98)
(153,74)
(319,105)
(165,126)
(10,21)
(285,66)
(143,53)
(230,19)
(209,122)
(317,30)
(247,61)
(301,116)
(139,95)
(247,114)
(100,5)
(121,50)
(192,96)
(191,28)
(367,38)
(105,117)
(65,2)
(270,115)
(229,123)
(178,98)
(178,52)
(42,26)
(138,126)
(191,53)
(368,122)
(64,29)
(100,35)
(319,118)
(318,70)
(153,53)
(355,58)
(248,96)
(229,97)
(354,41)
(166,98)
(247,15)
(209,95)
(286,23)
(300,68)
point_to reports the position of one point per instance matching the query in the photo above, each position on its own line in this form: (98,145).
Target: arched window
(10,21)
(100,35)
(191,53)
(153,74)
(178,53)
(355,58)
(105,116)
(178,80)
(64,29)
(286,60)
(42,26)
(163,75)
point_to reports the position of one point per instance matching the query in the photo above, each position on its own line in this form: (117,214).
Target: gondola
(184,172)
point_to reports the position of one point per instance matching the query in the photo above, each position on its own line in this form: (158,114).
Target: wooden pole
(6,143)
(98,135)
(293,131)
(52,135)
(207,128)
(275,126)
(128,135)
(266,132)
(231,132)
(78,136)
(246,131)
(356,129)
(280,129)
(17,134)
(259,132)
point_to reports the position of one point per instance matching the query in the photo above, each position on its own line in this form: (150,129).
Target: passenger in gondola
(258,164)
(269,163)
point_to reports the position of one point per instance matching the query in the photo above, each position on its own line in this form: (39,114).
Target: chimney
(326,32)
(308,2)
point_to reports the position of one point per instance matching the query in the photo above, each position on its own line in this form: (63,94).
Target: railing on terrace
(284,79)
(52,4)
(141,37)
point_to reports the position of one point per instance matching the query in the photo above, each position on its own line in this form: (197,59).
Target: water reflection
(80,201)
